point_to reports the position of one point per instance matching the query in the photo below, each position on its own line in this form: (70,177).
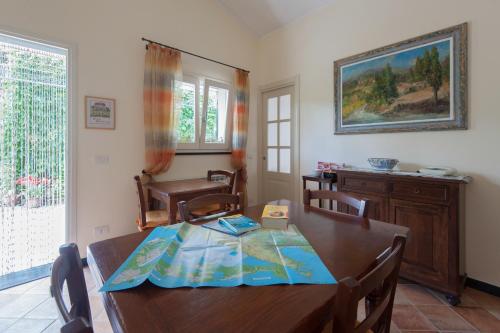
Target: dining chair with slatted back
(358,205)
(230,176)
(148,219)
(378,287)
(215,175)
(68,268)
(232,202)
(77,325)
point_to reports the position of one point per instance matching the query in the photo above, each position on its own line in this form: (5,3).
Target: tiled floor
(29,308)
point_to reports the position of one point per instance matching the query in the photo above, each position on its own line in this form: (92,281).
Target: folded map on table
(185,255)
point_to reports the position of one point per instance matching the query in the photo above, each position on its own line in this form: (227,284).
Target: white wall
(309,46)
(110,63)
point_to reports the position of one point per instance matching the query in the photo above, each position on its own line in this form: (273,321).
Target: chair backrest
(68,268)
(359,205)
(232,201)
(230,175)
(378,286)
(142,200)
(77,325)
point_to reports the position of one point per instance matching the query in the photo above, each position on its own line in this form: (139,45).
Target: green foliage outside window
(32,126)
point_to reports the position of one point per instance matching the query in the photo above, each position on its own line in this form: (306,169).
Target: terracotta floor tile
(400,297)
(444,318)
(496,313)
(41,288)
(21,306)
(29,326)
(46,310)
(55,327)
(407,317)
(7,298)
(485,300)
(6,322)
(479,318)
(102,327)
(419,295)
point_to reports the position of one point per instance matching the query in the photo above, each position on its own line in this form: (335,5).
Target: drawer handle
(416,191)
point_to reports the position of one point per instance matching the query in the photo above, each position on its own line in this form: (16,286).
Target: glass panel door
(33,130)
(277,144)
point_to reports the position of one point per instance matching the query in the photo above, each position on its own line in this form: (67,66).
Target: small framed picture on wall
(99,113)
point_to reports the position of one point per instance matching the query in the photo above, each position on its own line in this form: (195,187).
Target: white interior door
(278,144)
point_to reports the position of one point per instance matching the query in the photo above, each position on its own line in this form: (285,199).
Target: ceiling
(264,16)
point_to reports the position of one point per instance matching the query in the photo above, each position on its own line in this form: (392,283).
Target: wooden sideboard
(433,210)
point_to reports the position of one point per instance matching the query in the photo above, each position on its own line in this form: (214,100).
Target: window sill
(187,153)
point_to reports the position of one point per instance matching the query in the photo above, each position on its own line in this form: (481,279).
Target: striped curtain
(162,69)
(240,129)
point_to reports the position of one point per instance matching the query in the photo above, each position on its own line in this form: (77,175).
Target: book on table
(235,225)
(275,217)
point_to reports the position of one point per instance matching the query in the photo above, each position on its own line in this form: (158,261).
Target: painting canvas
(417,84)
(99,113)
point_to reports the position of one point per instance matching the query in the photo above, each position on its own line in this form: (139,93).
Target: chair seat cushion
(154,218)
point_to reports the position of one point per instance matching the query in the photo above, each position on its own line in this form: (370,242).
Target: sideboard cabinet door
(426,252)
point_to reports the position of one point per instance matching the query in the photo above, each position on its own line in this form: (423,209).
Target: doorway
(33,157)
(279,144)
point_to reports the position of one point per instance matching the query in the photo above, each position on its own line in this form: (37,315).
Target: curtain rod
(194,55)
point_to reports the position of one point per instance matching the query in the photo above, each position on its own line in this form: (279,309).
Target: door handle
(263,158)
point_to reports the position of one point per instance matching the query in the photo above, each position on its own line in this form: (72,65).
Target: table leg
(320,200)
(331,201)
(172,210)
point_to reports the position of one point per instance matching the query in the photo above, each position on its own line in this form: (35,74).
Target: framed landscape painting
(416,85)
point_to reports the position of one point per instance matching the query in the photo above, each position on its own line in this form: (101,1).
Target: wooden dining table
(173,191)
(346,245)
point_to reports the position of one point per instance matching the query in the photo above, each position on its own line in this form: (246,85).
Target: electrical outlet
(101,231)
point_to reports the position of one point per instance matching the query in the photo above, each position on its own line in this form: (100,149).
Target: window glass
(285,133)
(272,159)
(284,107)
(186,127)
(285,160)
(272,109)
(216,115)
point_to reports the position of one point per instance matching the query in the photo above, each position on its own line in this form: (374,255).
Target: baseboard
(483,286)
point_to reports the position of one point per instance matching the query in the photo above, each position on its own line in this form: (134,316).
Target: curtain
(162,69)
(240,128)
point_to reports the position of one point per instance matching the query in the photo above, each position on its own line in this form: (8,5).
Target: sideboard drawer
(359,184)
(426,192)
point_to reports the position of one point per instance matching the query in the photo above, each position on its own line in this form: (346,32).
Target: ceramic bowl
(383,163)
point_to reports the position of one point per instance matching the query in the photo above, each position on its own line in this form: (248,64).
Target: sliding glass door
(33,133)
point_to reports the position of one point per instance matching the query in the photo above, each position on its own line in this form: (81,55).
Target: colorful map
(185,255)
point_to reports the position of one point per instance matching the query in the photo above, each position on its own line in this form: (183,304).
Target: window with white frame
(204,115)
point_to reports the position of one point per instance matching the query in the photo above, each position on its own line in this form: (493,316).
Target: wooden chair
(148,218)
(230,177)
(77,325)
(233,203)
(358,205)
(68,268)
(378,287)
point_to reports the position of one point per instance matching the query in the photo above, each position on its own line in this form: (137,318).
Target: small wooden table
(174,191)
(347,246)
(322,183)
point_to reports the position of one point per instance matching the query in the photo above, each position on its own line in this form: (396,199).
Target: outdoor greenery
(186,127)
(32,125)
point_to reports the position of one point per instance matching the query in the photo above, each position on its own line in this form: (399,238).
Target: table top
(321,178)
(346,245)
(185,186)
